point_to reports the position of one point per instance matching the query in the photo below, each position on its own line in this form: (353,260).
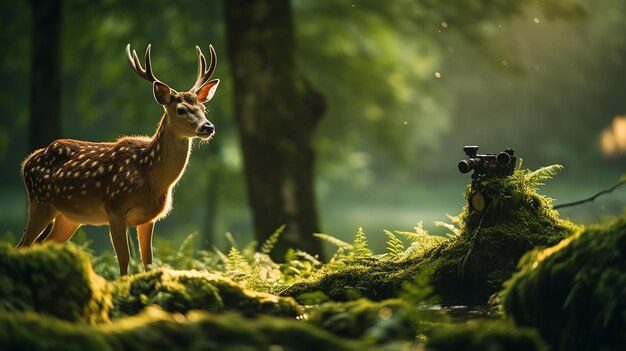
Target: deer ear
(206,92)
(162,93)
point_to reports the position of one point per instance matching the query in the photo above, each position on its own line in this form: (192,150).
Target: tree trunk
(277,112)
(45,89)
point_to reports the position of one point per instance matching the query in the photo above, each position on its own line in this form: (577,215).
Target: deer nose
(207,128)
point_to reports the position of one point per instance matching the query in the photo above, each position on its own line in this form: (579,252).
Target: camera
(501,165)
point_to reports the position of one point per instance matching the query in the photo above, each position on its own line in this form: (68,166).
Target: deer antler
(204,73)
(133,61)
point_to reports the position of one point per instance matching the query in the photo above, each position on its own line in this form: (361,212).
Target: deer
(124,183)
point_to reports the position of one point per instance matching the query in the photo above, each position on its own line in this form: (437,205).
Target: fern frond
(419,234)
(236,261)
(360,245)
(231,239)
(220,254)
(453,230)
(421,240)
(187,242)
(535,178)
(307,256)
(271,241)
(395,246)
(331,239)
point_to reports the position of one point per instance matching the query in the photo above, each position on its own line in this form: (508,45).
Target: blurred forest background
(405,85)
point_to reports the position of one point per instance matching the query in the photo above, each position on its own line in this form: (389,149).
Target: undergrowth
(241,298)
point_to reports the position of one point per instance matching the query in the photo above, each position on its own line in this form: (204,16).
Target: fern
(331,239)
(421,240)
(537,177)
(395,246)
(231,239)
(236,261)
(308,257)
(360,245)
(418,236)
(454,231)
(271,241)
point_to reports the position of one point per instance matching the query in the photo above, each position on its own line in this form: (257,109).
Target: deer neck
(168,155)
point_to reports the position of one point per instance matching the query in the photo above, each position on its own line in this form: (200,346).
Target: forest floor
(515,276)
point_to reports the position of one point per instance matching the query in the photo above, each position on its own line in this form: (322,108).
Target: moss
(375,321)
(575,292)
(181,291)
(471,266)
(52,279)
(32,331)
(479,336)
(155,329)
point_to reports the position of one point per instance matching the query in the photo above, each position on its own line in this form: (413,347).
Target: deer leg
(144,233)
(62,230)
(38,219)
(117,226)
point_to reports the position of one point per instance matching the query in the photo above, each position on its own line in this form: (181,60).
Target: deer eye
(181,111)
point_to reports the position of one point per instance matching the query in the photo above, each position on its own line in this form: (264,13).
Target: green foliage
(374,321)
(331,239)
(32,331)
(421,240)
(155,329)
(574,292)
(466,267)
(360,245)
(181,291)
(536,178)
(485,335)
(52,279)
(395,246)
(271,241)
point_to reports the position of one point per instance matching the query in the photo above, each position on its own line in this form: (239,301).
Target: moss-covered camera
(502,164)
(485,166)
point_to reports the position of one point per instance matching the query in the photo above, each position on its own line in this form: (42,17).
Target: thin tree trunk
(45,90)
(277,112)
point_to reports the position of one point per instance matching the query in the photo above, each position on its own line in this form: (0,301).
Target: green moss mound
(32,331)
(480,336)
(470,267)
(52,279)
(575,292)
(154,329)
(182,291)
(375,321)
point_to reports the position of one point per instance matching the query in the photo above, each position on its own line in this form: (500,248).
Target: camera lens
(503,158)
(464,166)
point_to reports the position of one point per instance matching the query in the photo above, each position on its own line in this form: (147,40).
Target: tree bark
(277,112)
(45,89)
